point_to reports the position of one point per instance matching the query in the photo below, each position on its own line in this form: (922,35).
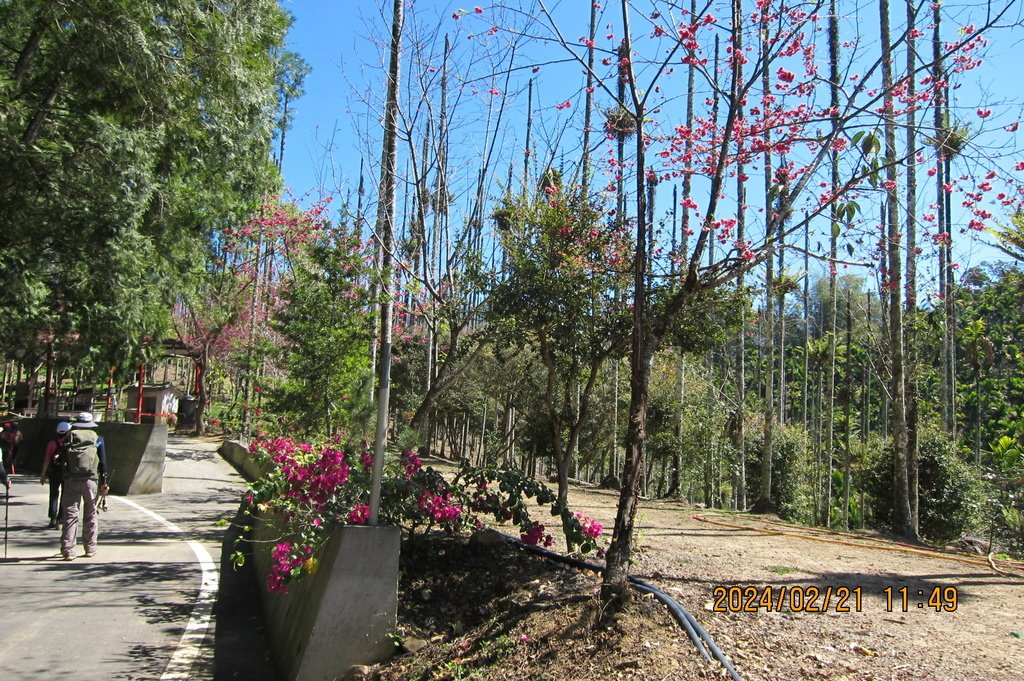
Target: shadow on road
(241,650)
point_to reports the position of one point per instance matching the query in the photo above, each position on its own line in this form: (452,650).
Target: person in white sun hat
(85,479)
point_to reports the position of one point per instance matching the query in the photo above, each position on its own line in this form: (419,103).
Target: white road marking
(195,631)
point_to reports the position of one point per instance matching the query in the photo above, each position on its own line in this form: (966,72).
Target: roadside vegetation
(712,254)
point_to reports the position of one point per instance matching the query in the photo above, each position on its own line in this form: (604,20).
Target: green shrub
(792,494)
(949,490)
(1004,492)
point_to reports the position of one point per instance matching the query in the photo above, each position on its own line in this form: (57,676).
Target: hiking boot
(69,556)
(90,554)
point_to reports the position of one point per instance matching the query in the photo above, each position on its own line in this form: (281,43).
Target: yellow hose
(900,548)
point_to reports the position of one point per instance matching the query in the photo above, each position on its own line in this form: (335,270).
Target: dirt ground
(758,587)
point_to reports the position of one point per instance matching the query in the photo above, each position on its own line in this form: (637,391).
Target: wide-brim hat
(83,420)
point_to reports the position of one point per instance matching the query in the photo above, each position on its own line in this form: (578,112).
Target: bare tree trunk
(741,347)
(781,347)
(807,369)
(482,450)
(528,142)
(902,522)
(911,302)
(677,455)
(620,217)
(615,589)
(385,234)
(833,291)
(613,459)
(588,111)
(865,416)
(764,501)
(464,439)
(848,383)
(943,130)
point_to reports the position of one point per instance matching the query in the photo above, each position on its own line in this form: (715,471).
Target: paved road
(153,603)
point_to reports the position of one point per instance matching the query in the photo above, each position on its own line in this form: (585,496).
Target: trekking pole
(101,505)
(7,513)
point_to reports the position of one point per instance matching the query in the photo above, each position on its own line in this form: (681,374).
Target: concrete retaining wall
(337,617)
(237,455)
(342,614)
(135,453)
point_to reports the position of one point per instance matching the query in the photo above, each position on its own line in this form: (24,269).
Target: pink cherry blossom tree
(227,312)
(770,116)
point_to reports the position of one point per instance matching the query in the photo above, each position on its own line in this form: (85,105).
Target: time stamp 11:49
(829,599)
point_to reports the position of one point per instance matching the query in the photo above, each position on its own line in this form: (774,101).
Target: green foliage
(131,131)
(564,269)
(1004,490)
(709,319)
(1007,453)
(792,492)
(949,489)
(991,380)
(1013,521)
(310,489)
(781,569)
(561,298)
(1010,237)
(326,333)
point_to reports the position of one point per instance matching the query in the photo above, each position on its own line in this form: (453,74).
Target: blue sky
(327,33)
(323,146)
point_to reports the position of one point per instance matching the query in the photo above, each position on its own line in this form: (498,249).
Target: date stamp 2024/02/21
(830,598)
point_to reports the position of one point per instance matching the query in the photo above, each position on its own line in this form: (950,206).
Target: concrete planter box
(237,455)
(342,614)
(339,616)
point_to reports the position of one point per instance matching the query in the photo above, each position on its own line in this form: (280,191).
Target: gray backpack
(81,454)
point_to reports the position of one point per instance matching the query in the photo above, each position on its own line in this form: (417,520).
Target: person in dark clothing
(10,438)
(53,471)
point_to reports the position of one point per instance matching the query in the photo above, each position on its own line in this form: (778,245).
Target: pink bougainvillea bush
(313,488)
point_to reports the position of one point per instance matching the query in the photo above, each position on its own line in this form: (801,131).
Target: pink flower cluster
(439,507)
(285,558)
(359,515)
(590,527)
(312,483)
(535,535)
(411,463)
(318,481)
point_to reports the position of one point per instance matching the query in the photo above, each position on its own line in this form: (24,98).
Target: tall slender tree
(903,523)
(384,233)
(911,305)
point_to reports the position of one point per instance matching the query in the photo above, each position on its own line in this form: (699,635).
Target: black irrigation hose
(697,633)
(688,621)
(681,615)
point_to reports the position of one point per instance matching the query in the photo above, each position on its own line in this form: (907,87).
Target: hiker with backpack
(10,438)
(53,470)
(85,480)
(5,480)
